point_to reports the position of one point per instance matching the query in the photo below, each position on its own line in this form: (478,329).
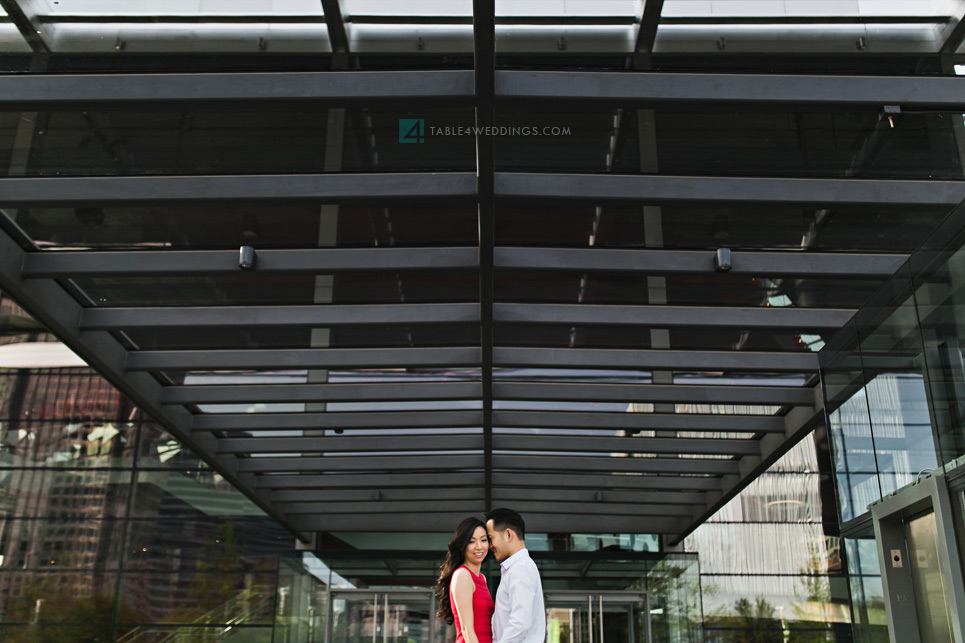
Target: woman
(464,598)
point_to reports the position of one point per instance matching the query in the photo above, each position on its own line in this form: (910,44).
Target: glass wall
(111,530)
(894,387)
(770,560)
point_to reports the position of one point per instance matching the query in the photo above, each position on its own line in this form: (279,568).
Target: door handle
(600,615)
(385,623)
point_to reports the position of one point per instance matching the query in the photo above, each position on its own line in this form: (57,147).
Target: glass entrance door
(382,616)
(597,617)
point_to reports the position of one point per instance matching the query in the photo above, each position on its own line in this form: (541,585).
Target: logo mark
(412,130)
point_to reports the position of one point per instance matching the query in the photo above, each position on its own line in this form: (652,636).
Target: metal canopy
(344,382)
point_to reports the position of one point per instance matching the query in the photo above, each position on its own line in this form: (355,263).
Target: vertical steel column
(484,65)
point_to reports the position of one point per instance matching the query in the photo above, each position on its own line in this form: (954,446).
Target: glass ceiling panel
(724,140)
(631,9)
(724,289)
(211,227)
(156,8)
(235,140)
(816,9)
(411,8)
(280,289)
(555,223)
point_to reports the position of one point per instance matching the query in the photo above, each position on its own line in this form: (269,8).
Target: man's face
(497,542)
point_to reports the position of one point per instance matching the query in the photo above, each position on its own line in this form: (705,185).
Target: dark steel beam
(917,92)
(798,423)
(340,188)
(675,360)
(253,316)
(443,521)
(349,443)
(625,444)
(57,265)
(337,36)
(596,482)
(664,261)
(639,421)
(441,494)
(43,91)
(647,31)
(374,481)
(337,420)
(953,34)
(307,393)
(660,316)
(301,358)
(591,495)
(598,464)
(656,188)
(484,66)
(53,307)
(692,394)
(526,507)
(470,506)
(600,508)
(375,464)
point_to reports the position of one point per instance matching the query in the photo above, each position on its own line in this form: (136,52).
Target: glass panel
(169,544)
(157,8)
(233,634)
(236,141)
(778,8)
(221,595)
(569,8)
(57,597)
(68,542)
(724,141)
(266,226)
(34,633)
(398,617)
(693,226)
(891,352)
(412,287)
(157,449)
(63,444)
(420,8)
(57,493)
(189,494)
(942,317)
(725,289)
(931,602)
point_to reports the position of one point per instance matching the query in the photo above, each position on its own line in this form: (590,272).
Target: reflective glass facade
(891,378)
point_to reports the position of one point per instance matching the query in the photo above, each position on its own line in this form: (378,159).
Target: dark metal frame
(474,459)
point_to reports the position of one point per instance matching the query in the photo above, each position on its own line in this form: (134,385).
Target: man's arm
(522,595)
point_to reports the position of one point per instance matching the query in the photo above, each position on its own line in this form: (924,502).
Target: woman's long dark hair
(455,557)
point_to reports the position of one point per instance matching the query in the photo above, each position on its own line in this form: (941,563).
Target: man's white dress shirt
(520,616)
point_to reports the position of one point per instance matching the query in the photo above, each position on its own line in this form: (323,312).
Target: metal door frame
(377,595)
(587,597)
(889,514)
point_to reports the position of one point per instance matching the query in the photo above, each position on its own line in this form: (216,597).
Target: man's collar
(509,562)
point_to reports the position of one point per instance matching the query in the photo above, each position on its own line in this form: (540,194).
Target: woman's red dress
(482,610)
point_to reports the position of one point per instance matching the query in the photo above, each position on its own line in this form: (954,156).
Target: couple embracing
(518,615)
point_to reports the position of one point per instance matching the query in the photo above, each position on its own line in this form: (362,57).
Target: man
(520,616)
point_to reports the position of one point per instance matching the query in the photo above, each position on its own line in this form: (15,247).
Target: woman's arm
(462,590)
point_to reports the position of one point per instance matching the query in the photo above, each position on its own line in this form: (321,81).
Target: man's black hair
(504,518)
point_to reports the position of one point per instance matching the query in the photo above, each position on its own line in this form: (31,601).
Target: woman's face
(478,546)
